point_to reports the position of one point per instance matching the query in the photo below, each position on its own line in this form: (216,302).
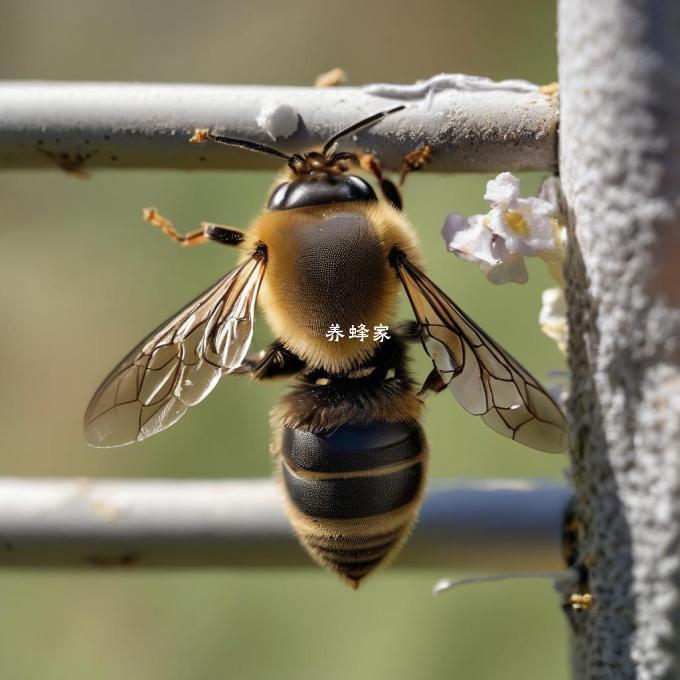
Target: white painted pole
(479,525)
(472,124)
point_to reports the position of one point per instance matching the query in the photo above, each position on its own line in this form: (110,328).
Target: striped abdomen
(353,494)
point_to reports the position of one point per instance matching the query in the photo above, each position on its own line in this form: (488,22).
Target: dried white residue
(279,121)
(448,81)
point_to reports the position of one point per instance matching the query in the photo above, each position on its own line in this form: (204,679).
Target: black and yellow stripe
(353,493)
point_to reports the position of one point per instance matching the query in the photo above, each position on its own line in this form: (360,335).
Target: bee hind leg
(409,331)
(274,362)
(208,232)
(433,383)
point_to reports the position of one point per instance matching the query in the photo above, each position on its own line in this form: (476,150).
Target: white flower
(513,229)
(473,241)
(525,224)
(553,317)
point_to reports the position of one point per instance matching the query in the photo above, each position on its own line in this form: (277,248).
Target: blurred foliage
(83,279)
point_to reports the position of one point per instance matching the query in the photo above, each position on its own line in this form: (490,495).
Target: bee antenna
(357,126)
(241,144)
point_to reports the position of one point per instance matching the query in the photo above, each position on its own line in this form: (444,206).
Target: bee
(348,448)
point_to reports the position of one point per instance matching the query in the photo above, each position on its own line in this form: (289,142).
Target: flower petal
(549,192)
(469,238)
(510,270)
(454,223)
(537,206)
(503,191)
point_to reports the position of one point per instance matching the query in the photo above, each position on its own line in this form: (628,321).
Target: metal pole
(479,525)
(472,124)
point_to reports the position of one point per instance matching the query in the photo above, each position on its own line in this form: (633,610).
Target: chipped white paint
(279,121)
(424,89)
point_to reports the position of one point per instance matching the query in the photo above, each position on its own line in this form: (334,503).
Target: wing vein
(487,381)
(179,364)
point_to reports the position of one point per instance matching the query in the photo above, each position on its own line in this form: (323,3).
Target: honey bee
(348,448)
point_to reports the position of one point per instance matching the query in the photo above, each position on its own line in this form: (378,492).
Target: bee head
(318,177)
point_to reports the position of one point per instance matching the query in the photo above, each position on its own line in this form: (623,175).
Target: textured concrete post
(620,166)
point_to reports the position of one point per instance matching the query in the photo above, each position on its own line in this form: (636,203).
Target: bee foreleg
(274,362)
(414,160)
(433,383)
(208,231)
(370,163)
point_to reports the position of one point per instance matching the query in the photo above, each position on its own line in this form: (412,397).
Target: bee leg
(274,362)
(370,163)
(208,231)
(414,160)
(408,330)
(227,236)
(433,383)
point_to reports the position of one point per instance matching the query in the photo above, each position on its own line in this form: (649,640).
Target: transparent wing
(179,363)
(483,377)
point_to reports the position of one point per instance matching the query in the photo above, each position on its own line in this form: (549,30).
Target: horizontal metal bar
(472,124)
(482,525)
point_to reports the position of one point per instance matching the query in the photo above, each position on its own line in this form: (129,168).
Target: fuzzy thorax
(329,265)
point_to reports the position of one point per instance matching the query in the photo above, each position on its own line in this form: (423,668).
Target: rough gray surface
(620,165)
(472,124)
(487,525)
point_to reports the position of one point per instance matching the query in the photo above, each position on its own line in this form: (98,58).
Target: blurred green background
(83,279)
